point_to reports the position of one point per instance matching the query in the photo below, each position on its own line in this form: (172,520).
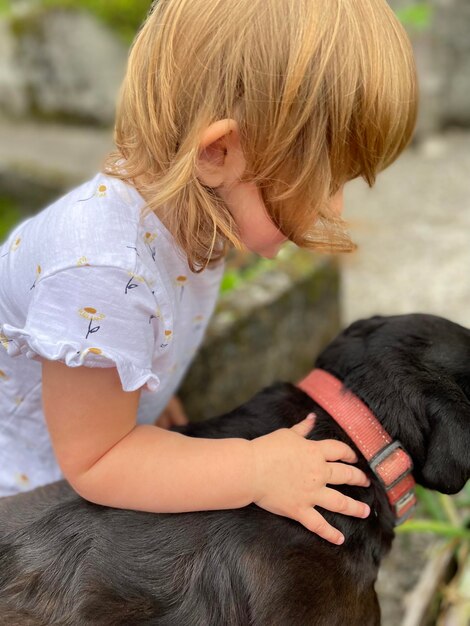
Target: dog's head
(413,372)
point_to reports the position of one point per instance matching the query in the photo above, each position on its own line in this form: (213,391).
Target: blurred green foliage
(443,515)
(447,517)
(124,16)
(417,15)
(9,216)
(235,277)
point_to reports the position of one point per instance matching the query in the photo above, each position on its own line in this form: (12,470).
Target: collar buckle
(381,456)
(404,506)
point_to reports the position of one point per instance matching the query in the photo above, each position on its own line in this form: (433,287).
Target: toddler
(238,124)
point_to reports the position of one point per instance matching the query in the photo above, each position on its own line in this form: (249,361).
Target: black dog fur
(65,561)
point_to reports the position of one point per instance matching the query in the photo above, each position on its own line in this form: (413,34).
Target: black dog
(64,561)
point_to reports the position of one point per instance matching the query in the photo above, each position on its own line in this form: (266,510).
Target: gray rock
(39,162)
(442,52)
(452,28)
(67,66)
(13,98)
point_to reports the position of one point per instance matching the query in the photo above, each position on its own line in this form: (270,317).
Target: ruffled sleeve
(93,316)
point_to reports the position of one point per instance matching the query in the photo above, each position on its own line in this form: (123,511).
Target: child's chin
(266,254)
(270,253)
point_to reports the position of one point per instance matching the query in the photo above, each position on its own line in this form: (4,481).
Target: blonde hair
(323,91)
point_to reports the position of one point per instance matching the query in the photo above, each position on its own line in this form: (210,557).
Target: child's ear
(220,160)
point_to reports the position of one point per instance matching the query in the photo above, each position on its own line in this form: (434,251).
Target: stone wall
(270,329)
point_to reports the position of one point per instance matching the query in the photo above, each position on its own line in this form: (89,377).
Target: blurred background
(61,64)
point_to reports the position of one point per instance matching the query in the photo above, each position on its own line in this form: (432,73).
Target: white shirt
(89,282)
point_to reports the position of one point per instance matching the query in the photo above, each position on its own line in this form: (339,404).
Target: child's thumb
(305,426)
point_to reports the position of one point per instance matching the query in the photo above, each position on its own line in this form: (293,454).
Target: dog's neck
(387,458)
(370,539)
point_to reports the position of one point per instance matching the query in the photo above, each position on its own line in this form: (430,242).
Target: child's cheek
(257,230)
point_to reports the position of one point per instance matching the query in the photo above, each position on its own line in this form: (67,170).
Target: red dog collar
(387,459)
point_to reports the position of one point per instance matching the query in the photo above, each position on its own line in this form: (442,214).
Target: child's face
(220,166)
(257,231)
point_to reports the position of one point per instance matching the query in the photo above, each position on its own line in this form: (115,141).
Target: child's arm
(109,460)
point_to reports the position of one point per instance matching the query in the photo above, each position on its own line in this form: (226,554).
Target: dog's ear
(446,466)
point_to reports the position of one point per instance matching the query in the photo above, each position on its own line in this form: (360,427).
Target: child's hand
(173,415)
(291,474)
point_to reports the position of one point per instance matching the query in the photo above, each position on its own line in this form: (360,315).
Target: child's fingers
(163,420)
(312,520)
(305,426)
(333,450)
(177,413)
(343,474)
(172,415)
(337,502)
